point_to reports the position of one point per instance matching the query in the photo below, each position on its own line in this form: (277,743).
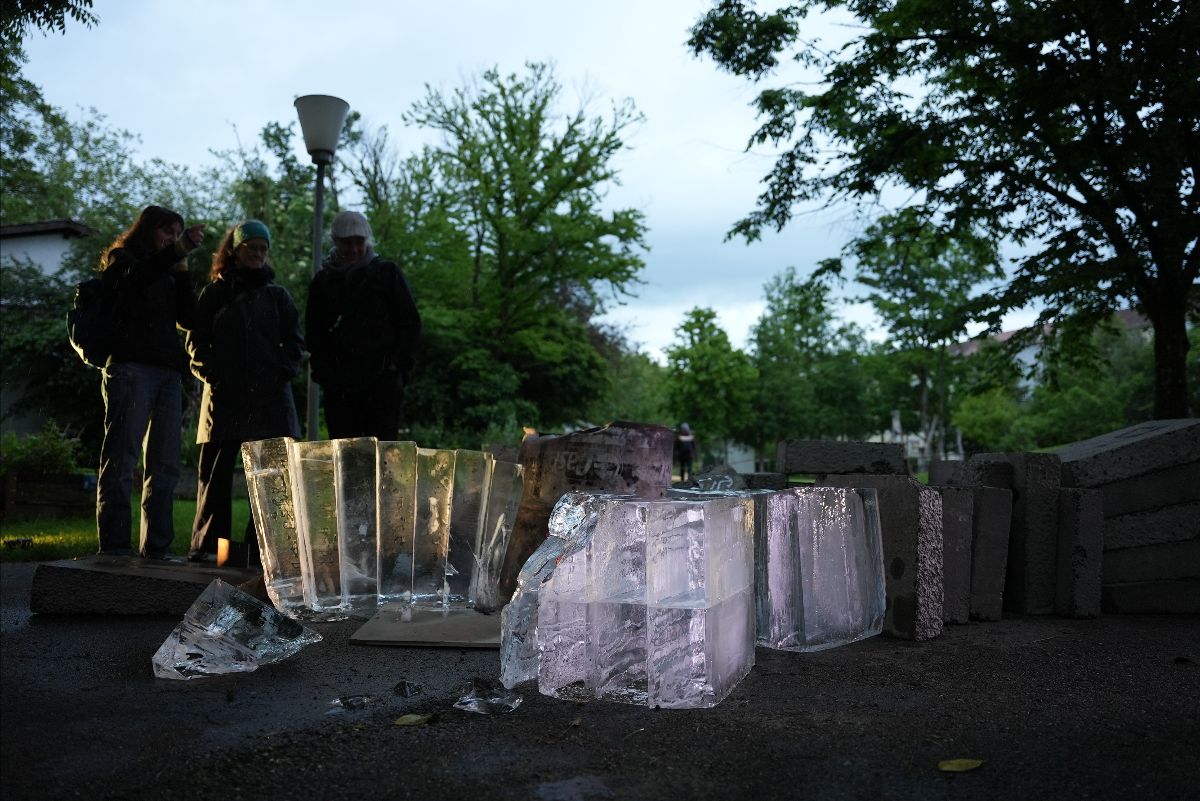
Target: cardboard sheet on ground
(453,628)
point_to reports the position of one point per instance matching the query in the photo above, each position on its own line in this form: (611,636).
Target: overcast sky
(193,77)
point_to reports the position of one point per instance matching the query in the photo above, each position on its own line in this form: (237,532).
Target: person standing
(362,329)
(685,451)
(246,347)
(142,386)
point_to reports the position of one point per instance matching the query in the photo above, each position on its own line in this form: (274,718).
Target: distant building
(45,245)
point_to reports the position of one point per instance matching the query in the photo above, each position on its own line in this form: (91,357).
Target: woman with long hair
(246,347)
(142,386)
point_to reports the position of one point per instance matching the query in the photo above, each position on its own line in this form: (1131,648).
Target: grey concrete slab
(126,585)
(1173,485)
(768,481)
(1180,597)
(1133,451)
(958,518)
(1080,552)
(1165,561)
(1031,577)
(819,457)
(971,473)
(1166,524)
(989,551)
(910,516)
(397,624)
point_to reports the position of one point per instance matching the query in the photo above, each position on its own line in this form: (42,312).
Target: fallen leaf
(959,765)
(575,722)
(413,720)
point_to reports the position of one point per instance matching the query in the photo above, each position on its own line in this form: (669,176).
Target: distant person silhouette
(685,451)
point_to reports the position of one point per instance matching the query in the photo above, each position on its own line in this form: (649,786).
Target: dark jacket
(361,325)
(246,347)
(152,302)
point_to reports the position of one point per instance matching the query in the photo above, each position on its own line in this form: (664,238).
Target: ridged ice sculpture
(345,525)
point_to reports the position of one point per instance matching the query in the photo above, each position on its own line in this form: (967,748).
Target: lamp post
(321,120)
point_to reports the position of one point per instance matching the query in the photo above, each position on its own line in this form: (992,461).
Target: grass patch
(68,537)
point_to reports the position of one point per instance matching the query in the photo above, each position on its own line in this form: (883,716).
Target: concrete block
(1152,598)
(958,515)
(1167,524)
(1031,577)
(989,551)
(631,458)
(971,473)
(1174,485)
(124,585)
(821,457)
(1080,552)
(1162,562)
(911,525)
(1133,451)
(767,481)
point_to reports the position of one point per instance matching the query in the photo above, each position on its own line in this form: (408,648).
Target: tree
(921,282)
(524,188)
(709,383)
(45,15)
(810,378)
(1054,124)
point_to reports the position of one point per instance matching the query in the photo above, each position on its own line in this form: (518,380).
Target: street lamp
(321,120)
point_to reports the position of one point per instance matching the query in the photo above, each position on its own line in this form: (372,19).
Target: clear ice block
(269,485)
(227,631)
(472,474)
(820,569)
(435,482)
(356,484)
(500,510)
(655,606)
(397,514)
(313,485)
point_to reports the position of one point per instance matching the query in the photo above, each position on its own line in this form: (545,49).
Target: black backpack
(90,324)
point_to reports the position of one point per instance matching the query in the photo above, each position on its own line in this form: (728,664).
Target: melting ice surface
(646,601)
(227,631)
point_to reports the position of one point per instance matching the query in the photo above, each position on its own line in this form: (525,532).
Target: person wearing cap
(246,347)
(142,384)
(362,328)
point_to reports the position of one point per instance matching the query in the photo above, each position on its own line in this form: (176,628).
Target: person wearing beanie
(362,327)
(246,347)
(146,270)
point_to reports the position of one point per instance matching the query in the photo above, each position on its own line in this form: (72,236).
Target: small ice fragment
(486,697)
(406,689)
(227,631)
(352,703)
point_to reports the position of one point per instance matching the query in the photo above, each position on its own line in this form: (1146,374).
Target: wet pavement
(1106,708)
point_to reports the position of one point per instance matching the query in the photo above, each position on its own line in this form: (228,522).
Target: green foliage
(709,383)
(1052,124)
(992,421)
(810,378)
(51,452)
(45,15)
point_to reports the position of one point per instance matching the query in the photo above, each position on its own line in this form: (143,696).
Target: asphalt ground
(1054,708)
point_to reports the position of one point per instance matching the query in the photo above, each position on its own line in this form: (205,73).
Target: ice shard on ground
(227,631)
(656,606)
(819,569)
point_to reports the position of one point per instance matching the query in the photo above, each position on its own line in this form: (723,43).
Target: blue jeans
(142,408)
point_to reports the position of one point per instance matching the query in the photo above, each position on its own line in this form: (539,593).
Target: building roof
(68,228)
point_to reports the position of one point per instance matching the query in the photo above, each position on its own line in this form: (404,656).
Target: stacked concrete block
(822,457)
(1149,476)
(1031,576)
(958,517)
(989,551)
(911,525)
(1080,546)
